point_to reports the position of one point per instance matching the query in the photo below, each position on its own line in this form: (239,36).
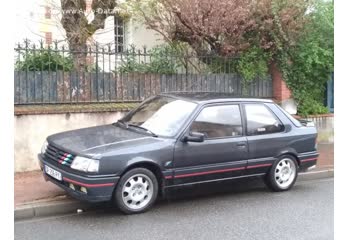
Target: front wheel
(282,174)
(136,191)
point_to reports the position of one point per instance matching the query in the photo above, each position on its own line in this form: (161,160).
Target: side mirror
(194,137)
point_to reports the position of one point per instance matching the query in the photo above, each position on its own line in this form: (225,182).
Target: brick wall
(280,90)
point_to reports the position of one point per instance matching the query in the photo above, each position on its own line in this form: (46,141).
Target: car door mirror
(194,137)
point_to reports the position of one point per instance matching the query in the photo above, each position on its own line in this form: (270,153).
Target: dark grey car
(173,140)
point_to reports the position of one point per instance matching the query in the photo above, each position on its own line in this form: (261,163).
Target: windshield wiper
(143,128)
(120,122)
(127,125)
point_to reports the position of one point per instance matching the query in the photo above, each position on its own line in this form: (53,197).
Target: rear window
(290,117)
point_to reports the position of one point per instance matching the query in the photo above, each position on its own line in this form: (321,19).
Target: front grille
(56,155)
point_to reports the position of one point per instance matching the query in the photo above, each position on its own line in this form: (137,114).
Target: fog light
(71,186)
(83,189)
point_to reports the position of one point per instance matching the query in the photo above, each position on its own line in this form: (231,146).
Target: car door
(265,135)
(222,154)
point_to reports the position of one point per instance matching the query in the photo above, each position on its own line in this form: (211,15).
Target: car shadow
(208,190)
(196,192)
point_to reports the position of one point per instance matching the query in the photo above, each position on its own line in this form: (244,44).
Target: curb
(45,209)
(313,175)
(71,206)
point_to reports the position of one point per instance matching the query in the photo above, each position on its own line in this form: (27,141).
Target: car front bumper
(98,188)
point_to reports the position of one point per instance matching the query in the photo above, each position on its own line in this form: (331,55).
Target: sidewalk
(31,186)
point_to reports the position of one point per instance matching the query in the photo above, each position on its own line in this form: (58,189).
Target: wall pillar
(281,93)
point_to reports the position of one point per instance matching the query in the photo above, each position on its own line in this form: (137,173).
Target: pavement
(246,211)
(34,197)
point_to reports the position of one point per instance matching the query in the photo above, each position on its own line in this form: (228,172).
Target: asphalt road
(232,211)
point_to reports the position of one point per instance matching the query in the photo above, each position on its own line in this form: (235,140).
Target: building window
(47,12)
(48,37)
(119,34)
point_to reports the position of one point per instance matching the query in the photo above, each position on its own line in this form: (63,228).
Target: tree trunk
(79,53)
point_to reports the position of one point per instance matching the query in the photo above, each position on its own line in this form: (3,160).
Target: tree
(79,29)
(310,62)
(227,27)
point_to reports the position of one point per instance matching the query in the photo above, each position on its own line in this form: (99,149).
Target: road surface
(236,210)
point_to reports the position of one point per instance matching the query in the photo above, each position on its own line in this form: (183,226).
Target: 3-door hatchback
(173,140)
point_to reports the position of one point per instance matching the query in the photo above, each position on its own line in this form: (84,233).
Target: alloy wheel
(137,191)
(285,173)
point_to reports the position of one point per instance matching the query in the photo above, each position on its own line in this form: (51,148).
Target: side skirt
(214,180)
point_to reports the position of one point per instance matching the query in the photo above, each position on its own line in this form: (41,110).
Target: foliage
(48,60)
(164,59)
(44,60)
(253,64)
(226,27)
(256,31)
(130,64)
(310,106)
(308,65)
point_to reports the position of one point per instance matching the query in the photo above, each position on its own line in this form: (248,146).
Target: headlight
(85,164)
(44,147)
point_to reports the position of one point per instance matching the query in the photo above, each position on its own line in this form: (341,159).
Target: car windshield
(161,115)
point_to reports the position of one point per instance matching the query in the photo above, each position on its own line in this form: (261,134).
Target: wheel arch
(290,152)
(151,166)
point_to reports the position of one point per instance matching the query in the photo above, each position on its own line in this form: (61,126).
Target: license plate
(53,173)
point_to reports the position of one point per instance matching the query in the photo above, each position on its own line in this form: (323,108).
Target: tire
(277,178)
(136,191)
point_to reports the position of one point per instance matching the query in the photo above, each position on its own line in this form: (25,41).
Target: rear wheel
(136,191)
(282,174)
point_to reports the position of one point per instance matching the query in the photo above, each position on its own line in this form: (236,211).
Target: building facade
(40,20)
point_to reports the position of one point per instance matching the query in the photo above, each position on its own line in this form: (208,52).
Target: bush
(163,59)
(252,64)
(308,65)
(310,107)
(44,60)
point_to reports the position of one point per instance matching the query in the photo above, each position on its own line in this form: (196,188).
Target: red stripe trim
(87,184)
(309,159)
(168,177)
(62,158)
(208,172)
(260,165)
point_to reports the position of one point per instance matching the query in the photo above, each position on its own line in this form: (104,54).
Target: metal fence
(50,74)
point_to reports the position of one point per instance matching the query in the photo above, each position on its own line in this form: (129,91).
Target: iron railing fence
(55,74)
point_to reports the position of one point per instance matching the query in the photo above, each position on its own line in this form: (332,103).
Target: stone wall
(325,128)
(31,131)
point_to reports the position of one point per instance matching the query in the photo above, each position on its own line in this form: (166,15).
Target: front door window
(218,122)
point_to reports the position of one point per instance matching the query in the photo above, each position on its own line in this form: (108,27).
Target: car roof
(212,97)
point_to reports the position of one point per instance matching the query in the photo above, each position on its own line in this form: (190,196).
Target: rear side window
(260,120)
(290,117)
(219,121)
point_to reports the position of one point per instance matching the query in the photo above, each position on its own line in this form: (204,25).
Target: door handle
(241,144)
